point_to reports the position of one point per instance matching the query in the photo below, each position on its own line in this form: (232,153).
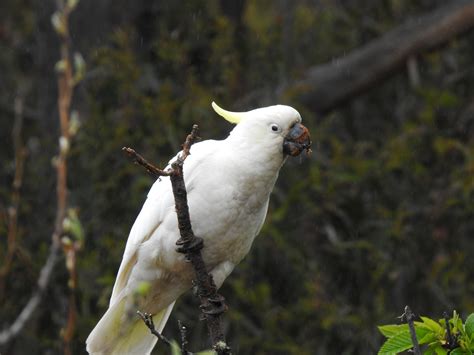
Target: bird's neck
(258,160)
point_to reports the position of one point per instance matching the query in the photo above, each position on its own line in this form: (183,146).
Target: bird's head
(277,125)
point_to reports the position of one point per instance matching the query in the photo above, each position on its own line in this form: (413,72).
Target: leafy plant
(446,336)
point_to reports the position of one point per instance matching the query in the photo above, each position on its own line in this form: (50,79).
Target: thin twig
(139,160)
(184,340)
(449,335)
(409,316)
(190,140)
(65,93)
(148,320)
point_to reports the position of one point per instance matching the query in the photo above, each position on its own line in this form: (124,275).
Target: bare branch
(409,316)
(327,85)
(324,86)
(212,304)
(139,160)
(148,320)
(190,140)
(184,340)
(157,172)
(451,341)
(45,275)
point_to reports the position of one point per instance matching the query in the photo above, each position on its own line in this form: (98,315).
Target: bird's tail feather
(114,334)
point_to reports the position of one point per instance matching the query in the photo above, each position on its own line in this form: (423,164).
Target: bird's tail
(118,334)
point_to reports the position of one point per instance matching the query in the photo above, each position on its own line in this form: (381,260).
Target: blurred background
(379,216)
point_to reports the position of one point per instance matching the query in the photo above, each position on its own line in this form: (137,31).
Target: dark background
(380,215)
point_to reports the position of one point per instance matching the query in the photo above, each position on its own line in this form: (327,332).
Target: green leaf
(458,351)
(433,325)
(429,337)
(469,325)
(206,352)
(390,330)
(396,344)
(455,321)
(401,341)
(441,351)
(436,349)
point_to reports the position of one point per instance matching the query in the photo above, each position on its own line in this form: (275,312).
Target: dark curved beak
(297,140)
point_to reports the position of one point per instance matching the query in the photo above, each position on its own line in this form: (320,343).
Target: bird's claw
(216,305)
(189,246)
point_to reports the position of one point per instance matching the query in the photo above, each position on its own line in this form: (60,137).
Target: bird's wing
(149,219)
(159,203)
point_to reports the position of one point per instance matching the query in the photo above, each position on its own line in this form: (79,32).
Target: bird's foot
(189,246)
(216,306)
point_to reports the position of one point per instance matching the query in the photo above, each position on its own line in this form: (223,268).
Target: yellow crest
(232,117)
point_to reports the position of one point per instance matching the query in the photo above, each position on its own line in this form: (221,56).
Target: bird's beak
(297,140)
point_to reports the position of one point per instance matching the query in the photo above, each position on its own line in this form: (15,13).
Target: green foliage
(379,215)
(433,334)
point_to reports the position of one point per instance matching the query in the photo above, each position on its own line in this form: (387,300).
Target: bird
(228,185)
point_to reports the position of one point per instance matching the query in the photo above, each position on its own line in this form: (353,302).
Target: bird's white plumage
(228,184)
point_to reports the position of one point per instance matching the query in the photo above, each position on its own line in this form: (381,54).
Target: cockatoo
(228,186)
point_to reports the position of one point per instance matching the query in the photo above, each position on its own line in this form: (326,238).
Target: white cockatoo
(228,186)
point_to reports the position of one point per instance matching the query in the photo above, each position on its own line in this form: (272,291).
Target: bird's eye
(275,127)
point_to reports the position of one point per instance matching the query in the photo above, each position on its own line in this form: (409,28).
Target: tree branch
(212,304)
(147,318)
(327,85)
(65,91)
(409,316)
(184,340)
(139,160)
(45,275)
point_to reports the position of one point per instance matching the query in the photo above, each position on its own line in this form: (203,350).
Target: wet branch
(212,304)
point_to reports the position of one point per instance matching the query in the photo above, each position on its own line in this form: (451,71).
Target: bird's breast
(227,211)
